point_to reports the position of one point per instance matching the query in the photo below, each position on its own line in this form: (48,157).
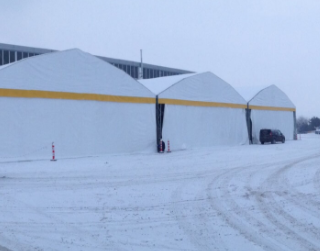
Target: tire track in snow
(299,199)
(208,226)
(28,229)
(252,229)
(192,231)
(273,211)
(199,224)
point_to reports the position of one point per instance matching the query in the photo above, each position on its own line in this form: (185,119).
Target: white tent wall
(191,126)
(82,104)
(282,120)
(78,128)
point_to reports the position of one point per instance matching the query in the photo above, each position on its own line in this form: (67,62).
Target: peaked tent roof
(271,96)
(204,87)
(71,71)
(248,92)
(158,85)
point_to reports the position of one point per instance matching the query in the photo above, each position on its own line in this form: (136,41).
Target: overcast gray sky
(246,43)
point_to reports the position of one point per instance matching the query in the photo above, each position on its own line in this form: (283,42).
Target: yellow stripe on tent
(14,93)
(199,103)
(271,108)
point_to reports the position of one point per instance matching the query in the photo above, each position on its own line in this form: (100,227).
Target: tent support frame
(249,124)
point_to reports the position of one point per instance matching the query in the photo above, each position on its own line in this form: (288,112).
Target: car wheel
(283,140)
(273,141)
(262,142)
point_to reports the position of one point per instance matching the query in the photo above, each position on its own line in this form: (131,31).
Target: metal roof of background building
(10,53)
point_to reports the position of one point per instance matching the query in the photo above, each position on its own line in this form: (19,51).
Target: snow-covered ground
(252,197)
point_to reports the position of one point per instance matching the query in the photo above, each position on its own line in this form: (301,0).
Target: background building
(11,53)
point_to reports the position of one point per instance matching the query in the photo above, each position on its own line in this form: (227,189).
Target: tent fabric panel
(271,96)
(188,127)
(205,87)
(262,119)
(70,71)
(78,128)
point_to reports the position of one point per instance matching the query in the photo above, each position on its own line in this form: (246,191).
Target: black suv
(271,135)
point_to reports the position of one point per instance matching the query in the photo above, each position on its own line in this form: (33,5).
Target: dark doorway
(249,124)
(160,108)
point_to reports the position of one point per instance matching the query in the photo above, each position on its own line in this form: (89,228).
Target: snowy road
(258,197)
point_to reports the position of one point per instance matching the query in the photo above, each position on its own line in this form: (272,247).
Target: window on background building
(144,72)
(148,73)
(19,55)
(151,73)
(137,71)
(165,73)
(132,71)
(156,73)
(31,54)
(1,57)
(6,57)
(12,56)
(25,54)
(128,69)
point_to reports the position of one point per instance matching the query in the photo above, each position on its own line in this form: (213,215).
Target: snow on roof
(70,71)
(265,96)
(272,96)
(205,87)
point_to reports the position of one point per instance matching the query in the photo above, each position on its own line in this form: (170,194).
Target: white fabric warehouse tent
(270,108)
(198,110)
(84,105)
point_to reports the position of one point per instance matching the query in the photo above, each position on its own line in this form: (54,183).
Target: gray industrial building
(11,53)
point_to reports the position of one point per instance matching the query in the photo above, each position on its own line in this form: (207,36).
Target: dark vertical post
(249,129)
(158,121)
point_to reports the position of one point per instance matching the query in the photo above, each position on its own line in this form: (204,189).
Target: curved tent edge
(180,80)
(292,108)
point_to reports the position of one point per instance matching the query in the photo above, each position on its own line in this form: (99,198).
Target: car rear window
(265,132)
